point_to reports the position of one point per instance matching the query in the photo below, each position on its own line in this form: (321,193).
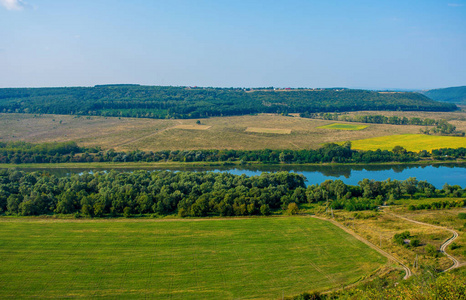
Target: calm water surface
(438,175)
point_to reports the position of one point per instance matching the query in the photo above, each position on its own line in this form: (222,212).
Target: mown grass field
(192,127)
(344,126)
(187,259)
(411,142)
(268,130)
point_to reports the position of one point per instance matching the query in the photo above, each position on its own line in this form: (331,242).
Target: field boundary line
(146,136)
(443,247)
(408,272)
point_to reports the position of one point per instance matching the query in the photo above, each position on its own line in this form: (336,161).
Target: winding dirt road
(444,246)
(408,272)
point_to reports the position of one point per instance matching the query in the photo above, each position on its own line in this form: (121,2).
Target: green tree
(292,209)
(127,211)
(265,210)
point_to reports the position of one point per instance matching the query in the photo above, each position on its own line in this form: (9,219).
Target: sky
(256,43)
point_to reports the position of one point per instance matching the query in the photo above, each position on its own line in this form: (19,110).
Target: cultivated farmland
(197,259)
(343,126)
(127,134)
(411,142)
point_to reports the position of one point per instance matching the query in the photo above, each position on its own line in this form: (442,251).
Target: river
(438,175)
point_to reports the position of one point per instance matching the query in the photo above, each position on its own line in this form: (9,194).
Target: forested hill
(186,102)
(452,94)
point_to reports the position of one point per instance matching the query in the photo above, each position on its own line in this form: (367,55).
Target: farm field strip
(192,127)
(411,142)
(268,130)
(235,258)
(342,126)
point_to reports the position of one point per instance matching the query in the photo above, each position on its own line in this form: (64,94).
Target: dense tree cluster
(439,204)
(376,119)
(185,102)
(441,126)
(444,128)
(143,192)
(195,194)
(20,152)
(369,193)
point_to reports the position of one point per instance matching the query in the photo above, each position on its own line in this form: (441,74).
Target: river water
(438,175)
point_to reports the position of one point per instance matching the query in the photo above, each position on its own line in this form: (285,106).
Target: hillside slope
(185,102)
(451,95)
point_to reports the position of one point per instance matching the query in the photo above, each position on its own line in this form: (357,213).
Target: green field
(197,259)
(411,142)
(341,126)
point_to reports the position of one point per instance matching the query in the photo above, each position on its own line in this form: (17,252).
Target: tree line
(441,126)
(21,152)
(196,194)
(184,102)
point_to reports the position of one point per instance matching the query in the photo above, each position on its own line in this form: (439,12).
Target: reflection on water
(438,175)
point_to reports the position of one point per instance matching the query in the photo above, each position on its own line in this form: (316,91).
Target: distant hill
(194,102)
(451,95)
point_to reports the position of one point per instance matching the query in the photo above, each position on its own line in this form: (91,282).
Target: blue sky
(359,44)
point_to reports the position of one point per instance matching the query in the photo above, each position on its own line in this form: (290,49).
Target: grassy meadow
(411,142)
(268,130)
(446,218)
(344,126)
(195,259)
(380,228)
(126,134)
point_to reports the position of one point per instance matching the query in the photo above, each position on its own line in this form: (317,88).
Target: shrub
(87,210)
(415,242)
(292,209)
(400,237)
(454,246)
(127,212)
(431,250)
(182,212)
(265,210)
(308,296)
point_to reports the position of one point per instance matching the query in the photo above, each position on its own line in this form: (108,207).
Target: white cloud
(12,4)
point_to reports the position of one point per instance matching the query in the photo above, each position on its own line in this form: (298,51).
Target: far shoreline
(147,165)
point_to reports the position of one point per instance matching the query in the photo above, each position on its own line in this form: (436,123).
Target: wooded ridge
(185,102)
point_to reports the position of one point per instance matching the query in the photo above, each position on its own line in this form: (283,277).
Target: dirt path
(408,272)
(146,136)
(444,246)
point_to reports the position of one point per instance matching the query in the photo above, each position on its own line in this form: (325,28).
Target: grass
(196,259)
(380,228)
(268,130)
(446,218)
(341,126)
(192,127)
(411,142)
(127,134)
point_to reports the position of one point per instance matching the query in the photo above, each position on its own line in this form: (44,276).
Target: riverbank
(187,165)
